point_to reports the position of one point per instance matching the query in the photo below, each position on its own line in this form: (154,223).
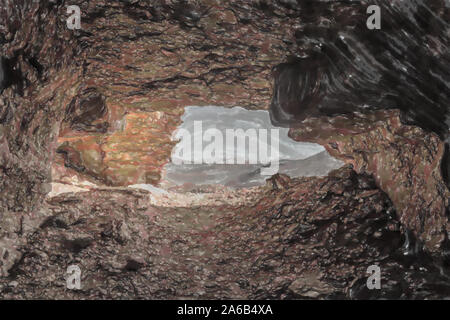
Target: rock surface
(91,108)
(342,65)
(302,238)
(149,61)
(404,160)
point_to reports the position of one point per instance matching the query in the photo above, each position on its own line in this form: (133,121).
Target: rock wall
(38,81)
(301,238)
(405,161)
(343,66)
(149,60)
(99,104)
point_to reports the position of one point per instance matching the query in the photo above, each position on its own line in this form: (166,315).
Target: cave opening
(235,147)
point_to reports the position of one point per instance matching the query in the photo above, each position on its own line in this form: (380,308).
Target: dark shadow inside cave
(9,74)
(345,67)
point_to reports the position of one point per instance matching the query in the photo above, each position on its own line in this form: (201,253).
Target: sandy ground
(177,197)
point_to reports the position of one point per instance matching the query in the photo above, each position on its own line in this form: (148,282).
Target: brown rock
(404,160)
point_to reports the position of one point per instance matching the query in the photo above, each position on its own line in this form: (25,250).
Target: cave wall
(39,75)
(342,66)
(148,61)
(78,103)
(80,99)
(308,238)
(404,160)
(132,63)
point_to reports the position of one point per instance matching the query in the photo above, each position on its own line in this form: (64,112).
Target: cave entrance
(213,149)
(236,147)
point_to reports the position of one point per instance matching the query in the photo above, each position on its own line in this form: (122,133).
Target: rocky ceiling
(94,110)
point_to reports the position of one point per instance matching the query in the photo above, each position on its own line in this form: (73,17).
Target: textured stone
(301,238)
(141,63)
(404,160)
(107,97)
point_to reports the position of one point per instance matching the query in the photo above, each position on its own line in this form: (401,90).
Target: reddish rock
(107,97)
(404,160)
(302,238)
